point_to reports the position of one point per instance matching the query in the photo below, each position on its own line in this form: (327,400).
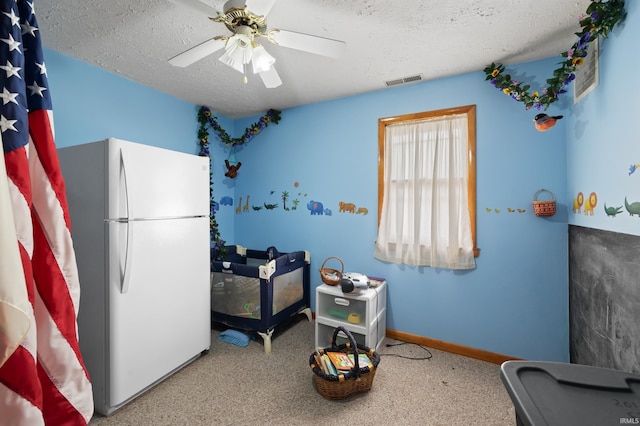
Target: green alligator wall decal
(633,208)
(612,211)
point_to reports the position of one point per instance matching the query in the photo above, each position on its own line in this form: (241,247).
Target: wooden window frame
(470,111)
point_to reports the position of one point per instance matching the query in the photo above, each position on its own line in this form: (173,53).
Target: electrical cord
(388,345)
(427,357)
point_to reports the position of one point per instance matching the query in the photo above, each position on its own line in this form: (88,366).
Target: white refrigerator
(140,229)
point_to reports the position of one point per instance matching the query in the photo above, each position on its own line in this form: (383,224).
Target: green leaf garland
(600,19)
(205,117)
(218,242)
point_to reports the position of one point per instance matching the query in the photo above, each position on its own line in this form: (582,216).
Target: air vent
(404,80)
(587,73)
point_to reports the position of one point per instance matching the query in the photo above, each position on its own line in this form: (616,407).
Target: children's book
(318,361)
(363,360)
(325,368)
(330,367)
(340,360)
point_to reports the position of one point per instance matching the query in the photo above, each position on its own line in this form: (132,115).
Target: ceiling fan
(246,19)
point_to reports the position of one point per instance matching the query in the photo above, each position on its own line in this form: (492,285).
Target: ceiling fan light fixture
(248,22)
(261,59)
(237,52)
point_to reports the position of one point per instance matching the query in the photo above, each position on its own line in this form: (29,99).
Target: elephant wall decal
(316,207)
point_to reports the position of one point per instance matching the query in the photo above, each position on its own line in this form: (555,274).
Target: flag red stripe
(52,288)
(17,165)
(28,274)
(44,142)
(57,409)
(19,374)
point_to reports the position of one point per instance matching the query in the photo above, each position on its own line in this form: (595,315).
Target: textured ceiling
(385,41)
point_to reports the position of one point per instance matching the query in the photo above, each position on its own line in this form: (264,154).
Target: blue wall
(602,134)
(90,104)
(514,303)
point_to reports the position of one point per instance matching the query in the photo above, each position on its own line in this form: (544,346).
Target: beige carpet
(234,385)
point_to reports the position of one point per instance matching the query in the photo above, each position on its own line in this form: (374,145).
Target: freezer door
(163,319)
(151,182)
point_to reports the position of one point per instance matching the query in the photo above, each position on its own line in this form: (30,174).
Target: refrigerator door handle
(127,259)
(129,252)
(127,192)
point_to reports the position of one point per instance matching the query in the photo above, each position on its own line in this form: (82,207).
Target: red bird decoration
(544,122)
(232,171)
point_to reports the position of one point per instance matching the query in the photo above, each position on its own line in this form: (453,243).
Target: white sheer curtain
(425,217)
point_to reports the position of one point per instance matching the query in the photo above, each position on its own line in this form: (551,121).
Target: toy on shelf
(337,313)
(354,318)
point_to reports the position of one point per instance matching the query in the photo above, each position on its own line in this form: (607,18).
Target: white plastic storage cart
(363,312)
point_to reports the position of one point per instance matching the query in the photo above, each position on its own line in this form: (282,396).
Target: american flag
(43,379)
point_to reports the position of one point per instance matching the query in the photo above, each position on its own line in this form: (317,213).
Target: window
(426,189)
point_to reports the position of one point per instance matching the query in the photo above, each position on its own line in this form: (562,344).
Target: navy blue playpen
(256,291)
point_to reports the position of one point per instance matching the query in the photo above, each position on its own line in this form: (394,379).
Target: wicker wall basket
(357,380)
(331,276)
(544,207)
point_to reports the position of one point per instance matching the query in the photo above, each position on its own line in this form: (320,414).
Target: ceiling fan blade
(196,53)
(270,78)
(197,6)
(308,43)
(260,7)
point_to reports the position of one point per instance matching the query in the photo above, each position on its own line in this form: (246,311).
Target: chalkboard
(604,299)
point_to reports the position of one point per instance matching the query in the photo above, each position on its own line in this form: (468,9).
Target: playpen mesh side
(239,296)
(288,289)
(235,295)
